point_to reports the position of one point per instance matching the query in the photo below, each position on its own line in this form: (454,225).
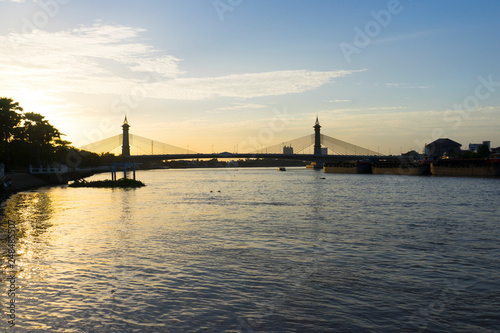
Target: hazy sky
(380,74)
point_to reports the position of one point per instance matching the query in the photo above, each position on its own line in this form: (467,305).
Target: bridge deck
(300,157)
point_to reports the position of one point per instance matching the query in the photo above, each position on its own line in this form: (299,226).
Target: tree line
(27,138)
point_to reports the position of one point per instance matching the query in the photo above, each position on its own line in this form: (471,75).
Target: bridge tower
(126,144)
(317,138)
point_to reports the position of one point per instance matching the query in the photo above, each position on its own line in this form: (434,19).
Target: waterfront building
(438,148)
(473,147)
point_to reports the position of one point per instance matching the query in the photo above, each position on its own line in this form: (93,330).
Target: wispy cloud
(365,110)
(247,85)
(339,100)
(105,59)
(408,86)
(242,106)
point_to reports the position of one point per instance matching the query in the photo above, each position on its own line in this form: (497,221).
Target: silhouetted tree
(411,153)
(483,151)
(40,134)
(9,120)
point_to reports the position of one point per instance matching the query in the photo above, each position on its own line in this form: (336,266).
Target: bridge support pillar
(114,169)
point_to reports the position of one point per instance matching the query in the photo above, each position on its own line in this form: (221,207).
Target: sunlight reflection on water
(258,250)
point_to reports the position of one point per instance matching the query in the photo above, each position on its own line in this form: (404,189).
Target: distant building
(495,150)
(287,150)
(438,148)
(473,147)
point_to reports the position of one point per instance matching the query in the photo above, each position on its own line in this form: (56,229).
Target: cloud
(408,86)
(242,106)
(247,85)
(365,110)
(114,59)
(339,101)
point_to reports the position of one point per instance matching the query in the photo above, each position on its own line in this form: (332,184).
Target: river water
(255,250)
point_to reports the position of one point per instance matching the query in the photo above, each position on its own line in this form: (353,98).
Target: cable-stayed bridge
(317,147)
(139,146)
(143,146)
(305,145)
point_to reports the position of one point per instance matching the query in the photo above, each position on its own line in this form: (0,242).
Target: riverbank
(443,167)
(21,181)
(24,181)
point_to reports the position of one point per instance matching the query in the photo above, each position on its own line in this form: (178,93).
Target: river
(254,250)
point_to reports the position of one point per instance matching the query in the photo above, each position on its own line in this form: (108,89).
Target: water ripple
(265,254)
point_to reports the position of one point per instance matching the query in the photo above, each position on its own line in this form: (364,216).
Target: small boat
(282,169)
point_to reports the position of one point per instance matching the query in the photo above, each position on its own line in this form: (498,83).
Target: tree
(483,151)
(411,153)
(9,120)
(40,134)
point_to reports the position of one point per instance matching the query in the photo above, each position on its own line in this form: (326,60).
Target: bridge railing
(64,169)
(41,170)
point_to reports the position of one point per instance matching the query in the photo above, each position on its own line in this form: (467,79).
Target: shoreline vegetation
(120,183)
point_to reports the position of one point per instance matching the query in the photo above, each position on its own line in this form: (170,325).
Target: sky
(215,75)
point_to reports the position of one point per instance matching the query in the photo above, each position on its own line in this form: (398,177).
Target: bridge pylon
(317,137)
(126,142)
